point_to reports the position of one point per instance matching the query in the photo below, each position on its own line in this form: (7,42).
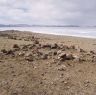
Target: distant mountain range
(26,25)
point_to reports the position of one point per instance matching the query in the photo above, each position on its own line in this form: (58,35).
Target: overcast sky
(75,12)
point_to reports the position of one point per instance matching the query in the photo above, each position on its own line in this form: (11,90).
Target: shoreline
(49,32)
(85,43)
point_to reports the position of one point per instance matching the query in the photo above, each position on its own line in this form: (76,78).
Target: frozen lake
(89,32)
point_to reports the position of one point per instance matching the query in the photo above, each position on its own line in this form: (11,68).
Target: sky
(48,12)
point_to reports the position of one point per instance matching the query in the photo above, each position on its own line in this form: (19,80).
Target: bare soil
(36,68)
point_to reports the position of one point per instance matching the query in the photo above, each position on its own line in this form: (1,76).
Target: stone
(59,52)
(78,58)
(72,47)
(62,68)
(62,56)
(21,53)
(63,47)
(92,52)
(36,42)
(24,46)
(10,52)
(54,46)
(28,54)
(79,49)
(29,57)
(69,57)
(46,46)
(15,46)
(94,58)
(3,50)
(54,53)
(44,56)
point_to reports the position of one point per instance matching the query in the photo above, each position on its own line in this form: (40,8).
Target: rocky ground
(31,64)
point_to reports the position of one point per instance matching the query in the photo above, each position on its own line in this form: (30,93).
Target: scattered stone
(79,49)
(10,52)
(24,47)
(21,53)
(46,46)
(29,57)
(69,57)
(62,56)
(15,46)
(54,53)
(36,42)
(28,54)
(63,47)
(44,56)
(92,52)
(3,50)
(59,52)
(94,58)
(79,58)
(72,47)
(54,46)
(62,68)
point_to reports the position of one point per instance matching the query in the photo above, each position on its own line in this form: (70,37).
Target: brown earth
(39,64)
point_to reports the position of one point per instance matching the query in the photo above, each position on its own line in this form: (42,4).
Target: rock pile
(65,56)
(58,52)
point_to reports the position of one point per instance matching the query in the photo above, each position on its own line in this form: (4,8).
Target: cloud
(48,12)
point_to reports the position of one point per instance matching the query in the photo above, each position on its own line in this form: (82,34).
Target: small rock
(54,46)
(21,53)
(62,68)
(59,52)
(92,52)
(10,52)
(72,47)
(29,57)
(28,54)
(3,50)
(78,58)
(54,53)
(44,56)
(94,58)
(62,56)
(36,42)
(46,46)
(15,46)
(69,56)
